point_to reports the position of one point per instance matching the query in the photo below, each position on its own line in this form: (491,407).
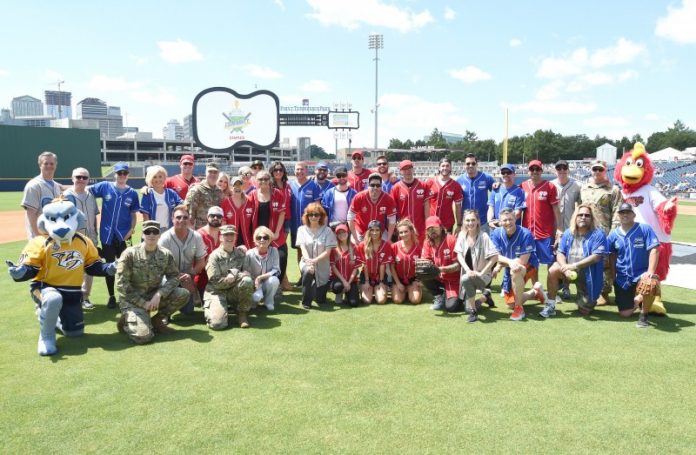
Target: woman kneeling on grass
(344,268)
(316,240)
(405,252)
(477,257)
(375,254)
(263,264)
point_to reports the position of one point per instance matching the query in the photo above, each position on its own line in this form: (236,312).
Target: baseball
(573,275)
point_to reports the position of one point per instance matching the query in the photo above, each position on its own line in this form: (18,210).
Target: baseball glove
(648,286)
(426,270)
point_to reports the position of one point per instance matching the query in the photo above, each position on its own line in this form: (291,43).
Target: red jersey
(345,262)
(442,198)
(240,217)
(179,184)
(382,256)
(365,210)
(410,203)
(211,243)
(539,217)
(444,255)
(359,181)
(405,261)
(278,207)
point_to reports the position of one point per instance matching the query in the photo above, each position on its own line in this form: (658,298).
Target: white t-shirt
(340,207)
(644,202)
(162,211)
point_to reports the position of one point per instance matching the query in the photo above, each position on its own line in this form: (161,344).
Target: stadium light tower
(376,42)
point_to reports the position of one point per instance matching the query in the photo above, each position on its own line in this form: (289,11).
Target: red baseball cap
(357,152)
(187,159)
(433,221)
(405,164)
(534,163)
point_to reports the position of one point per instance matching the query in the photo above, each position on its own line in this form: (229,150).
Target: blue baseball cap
(120,166)
(322,164)
(508,166)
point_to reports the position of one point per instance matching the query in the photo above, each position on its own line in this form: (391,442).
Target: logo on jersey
(450,194)
(639,244)
(69,260)
(382,210)
(543,195)
(635,201)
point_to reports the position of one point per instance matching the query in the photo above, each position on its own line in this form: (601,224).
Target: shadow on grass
(662,323)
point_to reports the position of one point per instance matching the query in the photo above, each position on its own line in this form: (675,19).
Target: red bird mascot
(634,172)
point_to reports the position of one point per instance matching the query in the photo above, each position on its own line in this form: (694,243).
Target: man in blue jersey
(508,195)
(517,255)
(120,206)
(476,185)
(321,172)
(634,255)
(304,192)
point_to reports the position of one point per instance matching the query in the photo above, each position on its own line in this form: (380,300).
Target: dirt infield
(12,226)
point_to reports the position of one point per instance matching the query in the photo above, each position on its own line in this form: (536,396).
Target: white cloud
(552,68)
(316,85)
(678,25)
(411,117)
(352,15)
(532,124)
(628,74)
(550,91)
(623,52)
(262,72)
(515,42)
(450,14)
(162,97)
(279,4)
(555,107)
(469,74)
(178,51)
(606,121)
(580,60)
(4,72)
(112,84)
(137,59)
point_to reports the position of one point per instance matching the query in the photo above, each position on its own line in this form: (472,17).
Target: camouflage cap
(212,166)
(151,224)
(599,163)
(228,229)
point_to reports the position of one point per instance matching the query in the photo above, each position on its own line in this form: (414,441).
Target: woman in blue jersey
(158,202)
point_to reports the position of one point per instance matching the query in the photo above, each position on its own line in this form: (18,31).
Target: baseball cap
(405,164)
(236,180)
(120,166)
(534,163)
(210,166)
(343,227)
(508,167)
(560,163)
(186,159)
(625,207)
(228,229)
(433,221)
(357,152)
(340,170)
(322,165)
(151,224)
(374,224)
(215,210)
(598,163)
(374,176)
(243,170)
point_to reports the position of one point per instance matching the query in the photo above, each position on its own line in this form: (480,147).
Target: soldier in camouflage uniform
(202,196)
(140,289)
(606,199)
(227,283)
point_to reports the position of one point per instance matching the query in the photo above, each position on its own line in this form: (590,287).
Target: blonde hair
(476,215)
(573,221)
(228,191)
(411,227)
(152,172)
(263,230)
(369,243)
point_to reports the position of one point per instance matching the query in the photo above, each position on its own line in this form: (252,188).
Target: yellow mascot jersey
(60,265)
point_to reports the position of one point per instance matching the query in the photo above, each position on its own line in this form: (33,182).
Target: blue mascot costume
(56,262)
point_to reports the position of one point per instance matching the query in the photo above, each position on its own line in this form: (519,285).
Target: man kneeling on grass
(580,258)
(142,289)
(228,285)
(516,248)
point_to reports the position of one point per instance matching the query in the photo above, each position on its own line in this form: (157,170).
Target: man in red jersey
(446,197)
(181,182)
(439,249)
(412,199)
(543,214)
(371,204)
(357,177)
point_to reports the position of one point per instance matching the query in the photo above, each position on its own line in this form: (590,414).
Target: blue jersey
(476,193)
(387,185)
(504,198)
(595,242)
(117,207)
(325,187)
(302,196)
(521,243)
(149,203)
(632,252)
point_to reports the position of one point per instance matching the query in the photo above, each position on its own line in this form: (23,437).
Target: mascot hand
(111,268)
(16,271)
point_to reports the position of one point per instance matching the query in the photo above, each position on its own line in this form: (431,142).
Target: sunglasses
(151,232)
(597,169)
(81,177)
(534,169)
(187,164)
(382,164)
(506,173)
(181,217)
(341,176)
(314,215)
(262,237)
(215,216)
(278,170)
(248,174)
(263,179)
(471,164)
(357,158)
(562,168)
(375,185)
(122,173)
(584,215)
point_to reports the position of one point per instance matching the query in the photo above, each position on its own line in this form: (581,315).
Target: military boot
(159,324)
(243,320)
(121,324)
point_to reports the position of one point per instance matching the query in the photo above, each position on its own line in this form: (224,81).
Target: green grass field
(389,379)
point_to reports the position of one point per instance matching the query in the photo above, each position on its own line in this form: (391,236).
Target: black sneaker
(489,298)
(642,321)
(112,302)
(473,317)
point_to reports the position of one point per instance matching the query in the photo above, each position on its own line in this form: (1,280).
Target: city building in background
(173,131)
(58,104)
(303,150)
(109,117)
(27,106)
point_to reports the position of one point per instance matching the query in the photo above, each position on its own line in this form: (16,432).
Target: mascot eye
(629,161)
(639,162)
(66,217)
(52,219)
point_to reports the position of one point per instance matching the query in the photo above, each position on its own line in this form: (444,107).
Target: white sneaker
(539,293)
(270,306)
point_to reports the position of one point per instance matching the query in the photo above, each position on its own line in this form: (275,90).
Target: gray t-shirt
(87,204)
(35,191)
(568,197)
(315,244)
(184,252)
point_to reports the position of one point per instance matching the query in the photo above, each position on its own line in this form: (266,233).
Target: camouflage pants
(216,305)
(138,324)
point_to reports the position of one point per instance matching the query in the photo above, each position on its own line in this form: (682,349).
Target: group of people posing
(222,242)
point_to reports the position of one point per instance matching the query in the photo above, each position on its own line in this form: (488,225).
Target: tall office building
(188,127)
(109,117)
(27,106)
(173,131)
(303,151)
(58,104)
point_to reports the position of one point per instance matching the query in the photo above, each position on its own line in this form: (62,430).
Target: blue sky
(595,67)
